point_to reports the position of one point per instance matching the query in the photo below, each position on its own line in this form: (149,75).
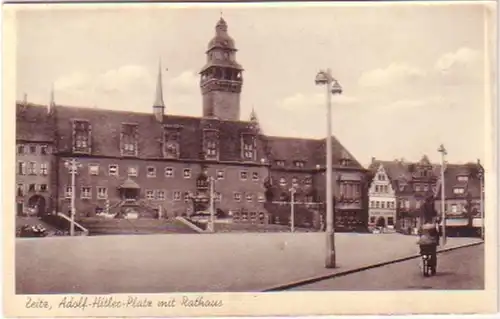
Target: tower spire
(159,105)
(159,89)
(52,101)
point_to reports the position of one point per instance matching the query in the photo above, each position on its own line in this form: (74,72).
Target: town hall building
(157,163)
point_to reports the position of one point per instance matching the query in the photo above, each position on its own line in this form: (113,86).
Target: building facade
(382,209)
(464,195)
(161,164)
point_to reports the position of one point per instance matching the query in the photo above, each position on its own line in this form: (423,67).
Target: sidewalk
(196,263)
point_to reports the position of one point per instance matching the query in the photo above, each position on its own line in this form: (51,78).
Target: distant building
(462,194)
(412,183)
(382,196)
(147,162)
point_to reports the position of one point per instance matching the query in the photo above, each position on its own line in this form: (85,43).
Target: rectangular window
(102,192)
(21,168)
(169,172)
(237,196)
(150,194)
(20,190)
(220,174)
(44,149)
(462,178)
(255,176)
(81,136)
(32,149)
(93,169)
(372,204)
(299,164)
(43,187)
(187,197)
(243,175)
(307,181)
(68,192)
(113,170)
(458,191)
(377,204)
(31,168)
(187,173)
(171,146)
(261,198)
(151,171)
(280,163)
(295,182)
(248,147)
(86,192)
(390,221)
(44,169)
(31,188)
(417,187)
(132,171)
(426,187)
(128,139)
(177,196)
(282,182)
(161,195)
(454,208)
(249,197)
(20,149)
(217,197)
(382,204)
(211,144)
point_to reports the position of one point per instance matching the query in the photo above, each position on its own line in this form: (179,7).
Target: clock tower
(221,77)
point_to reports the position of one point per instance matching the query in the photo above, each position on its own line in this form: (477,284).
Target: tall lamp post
(211,184)
(480,175)
(443,152)
(332,87)
(72,166)
(292,209)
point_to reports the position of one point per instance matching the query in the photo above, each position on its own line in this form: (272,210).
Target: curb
(355,270)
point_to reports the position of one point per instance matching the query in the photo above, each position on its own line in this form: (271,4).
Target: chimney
(373,160)
(478,162)
(25,99)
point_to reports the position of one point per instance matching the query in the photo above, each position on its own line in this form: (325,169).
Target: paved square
(194,263)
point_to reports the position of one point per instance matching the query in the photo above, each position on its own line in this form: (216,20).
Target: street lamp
(480,175)
(72,165)
(292,209)
(332,87)
(443,152)
(212,204)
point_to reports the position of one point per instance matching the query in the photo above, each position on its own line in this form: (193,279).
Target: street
(458,269)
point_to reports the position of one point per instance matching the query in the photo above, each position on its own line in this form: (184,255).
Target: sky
(413,76)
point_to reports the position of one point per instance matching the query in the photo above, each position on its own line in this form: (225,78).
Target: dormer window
(81,136)
(458,190)
(128,140)
(299,164)
(248,147)
(462,178)
(280,163)
(171,145)
(345,159)
(211,144)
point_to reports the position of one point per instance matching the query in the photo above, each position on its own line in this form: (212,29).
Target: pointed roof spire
(159,89)
(52,102)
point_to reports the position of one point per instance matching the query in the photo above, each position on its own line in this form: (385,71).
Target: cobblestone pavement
(194,263)
(458,269)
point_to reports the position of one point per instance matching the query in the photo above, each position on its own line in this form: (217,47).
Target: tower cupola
(221,78)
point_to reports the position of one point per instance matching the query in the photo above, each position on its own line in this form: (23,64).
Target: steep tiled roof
(471,186)
(33,123)
(106,129)
(311,151)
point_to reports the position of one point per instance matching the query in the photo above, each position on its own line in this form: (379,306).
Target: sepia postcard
(250,159)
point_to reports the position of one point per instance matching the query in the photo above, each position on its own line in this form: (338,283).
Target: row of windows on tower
(129,141)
